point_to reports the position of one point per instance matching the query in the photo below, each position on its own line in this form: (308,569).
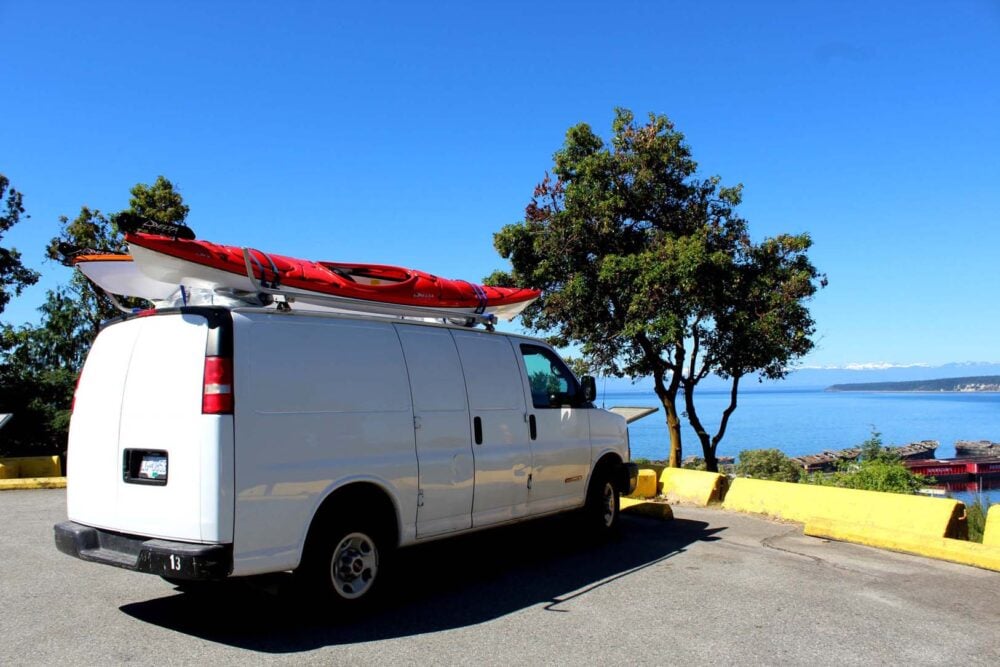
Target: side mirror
(589,388)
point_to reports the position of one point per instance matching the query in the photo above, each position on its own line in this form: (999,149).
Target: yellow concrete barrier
(645,487)
(932,517)
(942,548)
(691,486)
(30,466)
(659,511)
(991,534)
(33,483)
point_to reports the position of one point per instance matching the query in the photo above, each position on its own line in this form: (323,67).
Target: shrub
(877,470)
(872,450)
(693,463)
(976,518)
(767,464)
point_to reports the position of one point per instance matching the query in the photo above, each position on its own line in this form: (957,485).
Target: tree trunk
(708,451)
(710,445)
(668,398)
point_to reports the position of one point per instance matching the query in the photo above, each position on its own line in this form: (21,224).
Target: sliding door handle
(532,427)
(477,426)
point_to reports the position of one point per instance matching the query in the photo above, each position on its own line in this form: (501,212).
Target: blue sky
(408,133)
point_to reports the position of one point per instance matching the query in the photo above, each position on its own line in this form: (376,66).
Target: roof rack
(265,294)
(284,297)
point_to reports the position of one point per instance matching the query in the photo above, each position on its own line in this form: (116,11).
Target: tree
(653,273)
(38,373)
(159,202)
(41,363)
(14,276)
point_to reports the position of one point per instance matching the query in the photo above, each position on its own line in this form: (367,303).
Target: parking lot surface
(710,587)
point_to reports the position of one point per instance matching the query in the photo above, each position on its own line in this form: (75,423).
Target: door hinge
(416,423)
(420,498)
(529,480)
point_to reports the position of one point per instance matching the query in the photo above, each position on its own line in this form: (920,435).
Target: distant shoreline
(912,391)
(963,385)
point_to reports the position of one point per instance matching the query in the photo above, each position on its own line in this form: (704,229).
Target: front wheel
(345,563)
(602,503)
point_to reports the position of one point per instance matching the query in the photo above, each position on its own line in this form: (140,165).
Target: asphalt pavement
(709,587)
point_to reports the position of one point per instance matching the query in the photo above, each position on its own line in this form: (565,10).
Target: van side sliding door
(442,430)
(499,426)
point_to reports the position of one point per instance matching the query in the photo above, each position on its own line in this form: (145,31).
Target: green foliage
(14,276)
(872,450)
(40,363)
(89,229)
(544,384)
(159,202)
(976,518)
(769,464)
(880,476)
(650,269)
(92,229)
(38,375)
(693,463)
(579,366)
(878,469)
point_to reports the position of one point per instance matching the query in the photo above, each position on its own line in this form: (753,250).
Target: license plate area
(145,466)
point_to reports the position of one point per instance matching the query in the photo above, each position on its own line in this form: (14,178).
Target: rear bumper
(627,476)
(166,558)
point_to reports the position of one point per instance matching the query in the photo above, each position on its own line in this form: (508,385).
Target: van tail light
(217,390)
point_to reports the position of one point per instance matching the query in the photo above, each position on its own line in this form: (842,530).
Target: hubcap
(354,565)
(609,504)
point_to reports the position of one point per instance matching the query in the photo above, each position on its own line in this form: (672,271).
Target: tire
(603,503)
(345,563)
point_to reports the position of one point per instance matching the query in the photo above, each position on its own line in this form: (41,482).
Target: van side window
(552,384)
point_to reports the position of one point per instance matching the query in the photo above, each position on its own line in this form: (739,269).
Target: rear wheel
(345,562)
(602,502)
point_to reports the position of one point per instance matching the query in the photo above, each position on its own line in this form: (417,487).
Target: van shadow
(444,585)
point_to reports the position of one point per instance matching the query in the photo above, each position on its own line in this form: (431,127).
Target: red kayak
(179,261)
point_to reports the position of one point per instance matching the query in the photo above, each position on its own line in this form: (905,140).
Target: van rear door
(143,458)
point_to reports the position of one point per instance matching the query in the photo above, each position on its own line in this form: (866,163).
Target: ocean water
(800,422)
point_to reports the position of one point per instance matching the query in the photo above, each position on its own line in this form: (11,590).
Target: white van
(210,442)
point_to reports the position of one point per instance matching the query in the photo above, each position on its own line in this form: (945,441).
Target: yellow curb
(691,486)
(641,507)
(991,533)
(30,466)
(645,486)
(33,483)
(940,548)
(932,517)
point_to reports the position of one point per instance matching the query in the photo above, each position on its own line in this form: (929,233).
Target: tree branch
(733,394)
(692,414)
(695,348)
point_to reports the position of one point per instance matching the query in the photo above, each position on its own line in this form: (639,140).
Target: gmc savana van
(210,442)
